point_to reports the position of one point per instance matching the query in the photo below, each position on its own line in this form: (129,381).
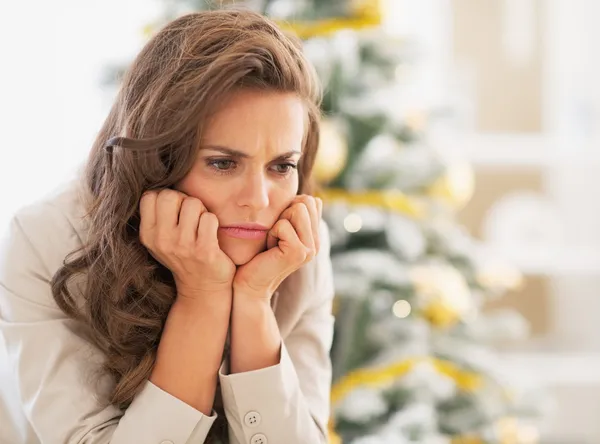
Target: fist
(292,242)
(182,235)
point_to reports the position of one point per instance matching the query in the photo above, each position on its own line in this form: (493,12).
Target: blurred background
(460,170)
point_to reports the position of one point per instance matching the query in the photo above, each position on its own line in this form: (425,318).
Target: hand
(182,235)
(292,242)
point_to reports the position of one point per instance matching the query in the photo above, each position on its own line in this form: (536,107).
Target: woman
(177,284)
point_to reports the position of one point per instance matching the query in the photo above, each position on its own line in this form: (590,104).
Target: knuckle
(147,202)
(209,217)
(301,205)
(148,195)
(295,211)
(300,255)
(307,200)
(207,220)
(168,195)
(286,213)
(193,202)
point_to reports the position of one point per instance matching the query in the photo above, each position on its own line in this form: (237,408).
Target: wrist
(255,335)
(195,290)
(243,293)
(213,301)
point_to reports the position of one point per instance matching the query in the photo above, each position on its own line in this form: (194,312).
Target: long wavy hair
(150,141)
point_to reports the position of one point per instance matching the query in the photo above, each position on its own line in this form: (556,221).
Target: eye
(285,168)
(222,165)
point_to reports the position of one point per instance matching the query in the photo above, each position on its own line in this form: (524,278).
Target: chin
(241,251)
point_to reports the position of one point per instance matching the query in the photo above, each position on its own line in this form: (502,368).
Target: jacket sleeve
(289,402)
(54,369)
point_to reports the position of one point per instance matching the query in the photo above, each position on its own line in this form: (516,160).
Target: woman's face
(246,170)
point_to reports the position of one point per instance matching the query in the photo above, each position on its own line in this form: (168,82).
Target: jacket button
(259,438)
(166,442)
(252,419)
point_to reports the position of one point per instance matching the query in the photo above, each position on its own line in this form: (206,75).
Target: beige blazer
(47,393)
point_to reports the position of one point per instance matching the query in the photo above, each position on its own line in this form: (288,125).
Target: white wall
(51,106)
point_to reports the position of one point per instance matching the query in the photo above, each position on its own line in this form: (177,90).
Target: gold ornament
(444,297)
(440,314)
(335,306)
(364,14)
(455,187)
(416,120)
(384,376)
(466,439)
(512,431)
(392,200)
(334,438)
(465,380)
(149,29)
(507,431)
(499,276)
(332,155)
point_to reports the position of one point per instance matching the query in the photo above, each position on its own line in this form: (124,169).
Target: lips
(245,231)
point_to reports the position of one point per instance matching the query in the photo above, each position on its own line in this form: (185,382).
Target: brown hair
(149,140)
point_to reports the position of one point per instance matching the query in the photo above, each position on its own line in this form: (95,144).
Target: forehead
(253,121)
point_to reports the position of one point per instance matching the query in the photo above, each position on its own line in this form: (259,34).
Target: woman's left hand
(292,242)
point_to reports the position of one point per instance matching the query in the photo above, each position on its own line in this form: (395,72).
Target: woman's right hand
(182,235)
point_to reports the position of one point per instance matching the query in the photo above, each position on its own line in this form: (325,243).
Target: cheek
(282,197)
(211,194)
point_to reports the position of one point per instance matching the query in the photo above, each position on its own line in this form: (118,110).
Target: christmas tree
(410,355)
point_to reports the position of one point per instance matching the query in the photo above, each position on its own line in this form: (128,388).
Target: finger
(168,205)
(311,205)
(148,211)
(289,243)
(207,230)
(271,240)
(189,219)
(296,214)
(300,220)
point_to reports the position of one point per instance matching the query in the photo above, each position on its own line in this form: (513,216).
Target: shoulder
(41,234)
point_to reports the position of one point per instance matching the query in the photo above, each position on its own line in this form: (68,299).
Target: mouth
(245,231)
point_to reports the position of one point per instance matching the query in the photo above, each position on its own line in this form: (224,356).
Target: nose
(254,193)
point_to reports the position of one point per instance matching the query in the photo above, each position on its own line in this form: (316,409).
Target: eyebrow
(240,154)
